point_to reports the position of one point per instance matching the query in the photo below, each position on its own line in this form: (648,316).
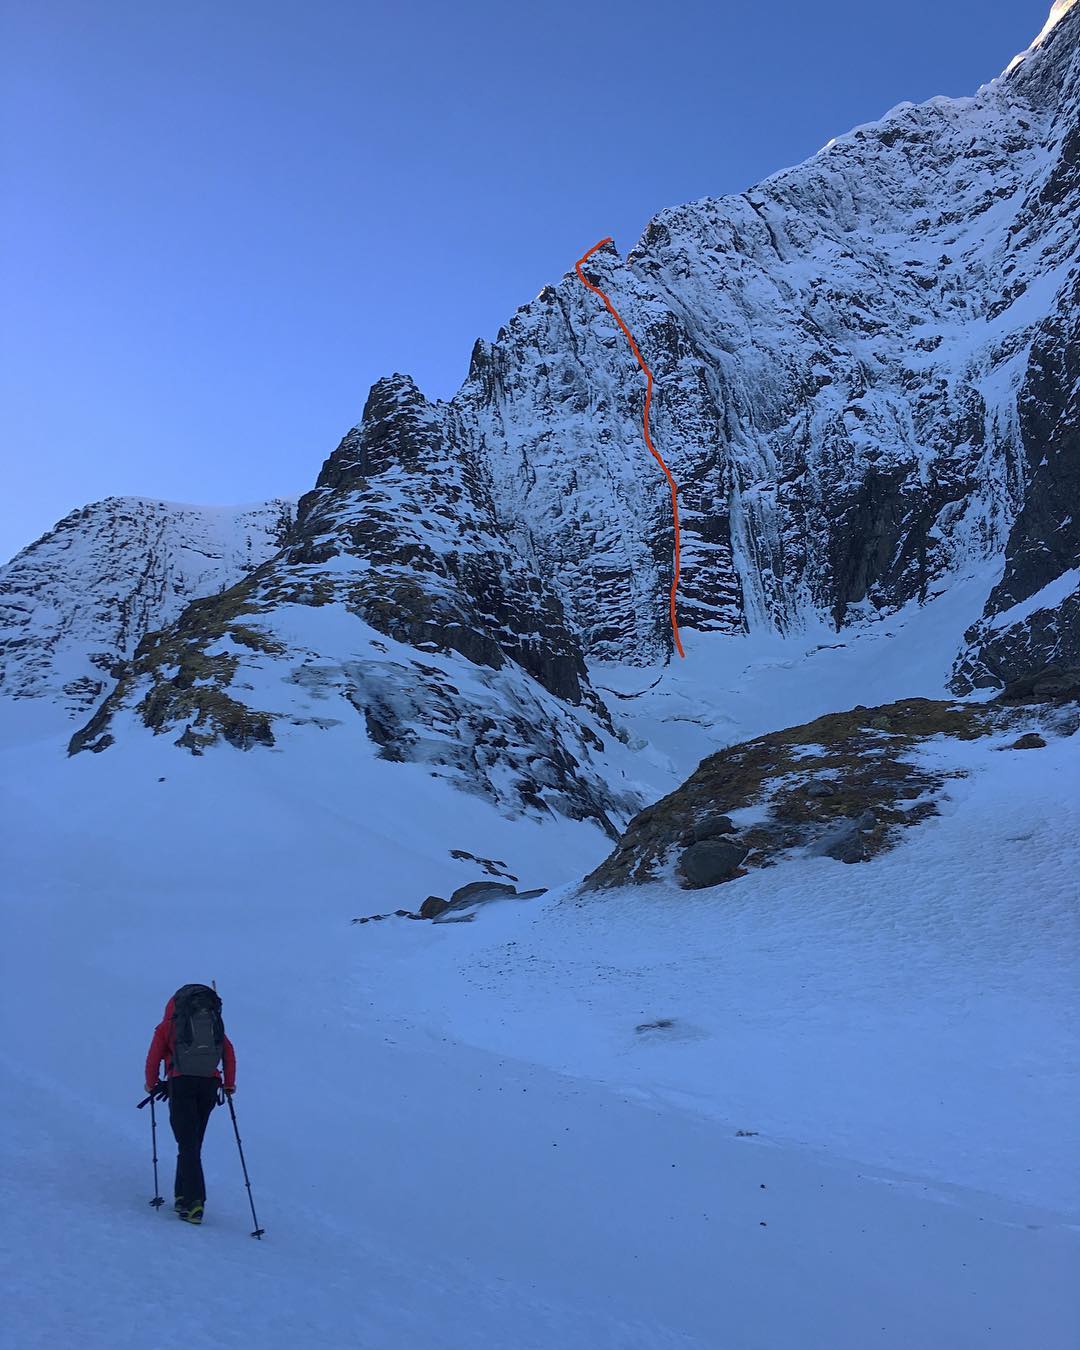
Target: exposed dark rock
(1043,549)
(1051,684)
(1031,740)
(397,914)
(433,906)
(494,867)
(94,736)
(712,827)
(476,890)
(850,841)
(711,862)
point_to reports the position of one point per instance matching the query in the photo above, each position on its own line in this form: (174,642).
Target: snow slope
(732,688)
(916,1013)
(457,1137)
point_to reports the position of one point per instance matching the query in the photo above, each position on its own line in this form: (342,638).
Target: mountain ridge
(859,364)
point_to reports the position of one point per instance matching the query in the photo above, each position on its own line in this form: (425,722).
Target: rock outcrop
(398,599)
(75,604)
(846,786)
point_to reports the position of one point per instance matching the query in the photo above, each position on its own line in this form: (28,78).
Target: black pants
(190,1102)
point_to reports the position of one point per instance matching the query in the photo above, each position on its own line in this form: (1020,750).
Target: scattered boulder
(466,899)
(438,910)
(494,867)
(476,890)
(1052,684)
(712,861)
(849,841)
(819,788)
(378,918)
(1030,741)
(712,827)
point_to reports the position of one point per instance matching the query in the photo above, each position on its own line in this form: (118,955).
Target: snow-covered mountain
(75,604)
(729,1091)
(866,388)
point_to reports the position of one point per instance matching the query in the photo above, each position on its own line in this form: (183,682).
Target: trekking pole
(157,1201)
(257,1232)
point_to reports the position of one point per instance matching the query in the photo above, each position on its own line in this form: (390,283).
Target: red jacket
(161,1049)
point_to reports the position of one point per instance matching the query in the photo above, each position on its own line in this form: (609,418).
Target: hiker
(191,1040)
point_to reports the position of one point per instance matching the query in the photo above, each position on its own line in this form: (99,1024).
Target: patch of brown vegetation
(193,692)
(843,785)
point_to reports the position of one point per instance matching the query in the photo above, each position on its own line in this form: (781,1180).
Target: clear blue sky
(224,219)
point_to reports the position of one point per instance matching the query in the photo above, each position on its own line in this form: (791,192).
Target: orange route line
(648,439)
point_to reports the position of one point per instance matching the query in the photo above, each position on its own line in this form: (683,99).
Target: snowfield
(523,1131)
(910,1013)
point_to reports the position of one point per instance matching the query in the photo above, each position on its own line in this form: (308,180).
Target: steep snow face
(839,354)
(75,604)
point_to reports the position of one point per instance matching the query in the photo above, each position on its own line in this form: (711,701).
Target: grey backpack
(198,1034)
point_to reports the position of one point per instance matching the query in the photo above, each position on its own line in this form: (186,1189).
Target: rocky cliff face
(75,604)
(865,386)
(1032,616)
(853,382)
